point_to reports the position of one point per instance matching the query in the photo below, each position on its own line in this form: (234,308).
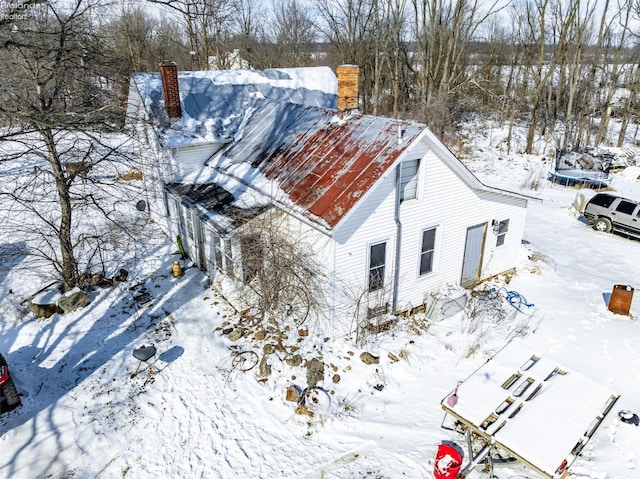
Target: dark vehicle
(609,213)
(9,398)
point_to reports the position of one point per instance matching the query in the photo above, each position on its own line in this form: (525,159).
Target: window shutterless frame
(503,228)
(409,179)
(377,259)
(427,251)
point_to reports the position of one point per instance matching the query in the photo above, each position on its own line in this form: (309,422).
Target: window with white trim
(217,251)
(251,250)
(409,179)
(377,260)
(228,258)
(427,250)
(189,223)
(179,214)
(501,231)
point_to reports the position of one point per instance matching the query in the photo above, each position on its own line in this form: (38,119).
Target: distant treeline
(563,65)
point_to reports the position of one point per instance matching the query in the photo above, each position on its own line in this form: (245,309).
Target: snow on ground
(199,415)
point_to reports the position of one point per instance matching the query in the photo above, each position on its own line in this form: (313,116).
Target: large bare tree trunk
(208,26)
(58,110)
(68,262)
(615,60)
(575,74)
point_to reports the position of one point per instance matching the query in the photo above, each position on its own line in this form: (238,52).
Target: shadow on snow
(60,359)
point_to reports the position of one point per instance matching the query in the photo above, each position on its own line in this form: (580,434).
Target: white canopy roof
(531,406)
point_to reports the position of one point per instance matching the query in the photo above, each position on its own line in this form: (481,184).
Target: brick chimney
(170,89)
(348,86)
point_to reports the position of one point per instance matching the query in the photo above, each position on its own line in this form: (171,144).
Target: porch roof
(215,205)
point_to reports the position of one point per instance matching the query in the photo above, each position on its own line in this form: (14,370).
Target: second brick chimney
(170,89)
(348,86)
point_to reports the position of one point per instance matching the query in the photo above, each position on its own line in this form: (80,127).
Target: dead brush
(535,179)
(495,310)
(537,256)
(481,315)
(346,406)
(131,175)
(417,324)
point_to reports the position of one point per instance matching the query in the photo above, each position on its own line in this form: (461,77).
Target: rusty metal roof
(321,161)
(325,161)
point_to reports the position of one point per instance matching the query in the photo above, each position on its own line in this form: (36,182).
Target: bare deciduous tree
(249,29)
(346,25)
(54,104)
(138,42)
(630,109)
(535,34)
(292,34)
(443,31)
(208,25)
(389,57)
(280,269)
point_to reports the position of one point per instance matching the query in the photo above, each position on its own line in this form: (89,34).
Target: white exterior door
(472,262)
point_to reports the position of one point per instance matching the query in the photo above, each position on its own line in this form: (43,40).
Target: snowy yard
(200,415)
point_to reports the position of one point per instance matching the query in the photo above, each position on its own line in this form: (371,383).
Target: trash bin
(448,461)
(620,301)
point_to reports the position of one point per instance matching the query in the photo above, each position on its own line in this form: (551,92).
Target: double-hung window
(409,179)
(189,225)
(377,260)
(427,251)
(217,251)
(503,227)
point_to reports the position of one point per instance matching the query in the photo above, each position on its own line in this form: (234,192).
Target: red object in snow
(448,462)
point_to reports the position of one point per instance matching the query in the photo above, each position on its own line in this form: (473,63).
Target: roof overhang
(215,206)
(466,174)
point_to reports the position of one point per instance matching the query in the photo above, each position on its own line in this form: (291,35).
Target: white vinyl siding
(191,159)
(449,203)
(370,222)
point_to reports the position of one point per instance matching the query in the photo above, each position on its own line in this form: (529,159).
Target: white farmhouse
(386,209)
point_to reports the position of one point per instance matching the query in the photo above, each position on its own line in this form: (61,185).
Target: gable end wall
(446,201)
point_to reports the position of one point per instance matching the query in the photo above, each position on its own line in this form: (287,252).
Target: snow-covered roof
(217,205)
(212,101)
(284,137)
(539,410)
